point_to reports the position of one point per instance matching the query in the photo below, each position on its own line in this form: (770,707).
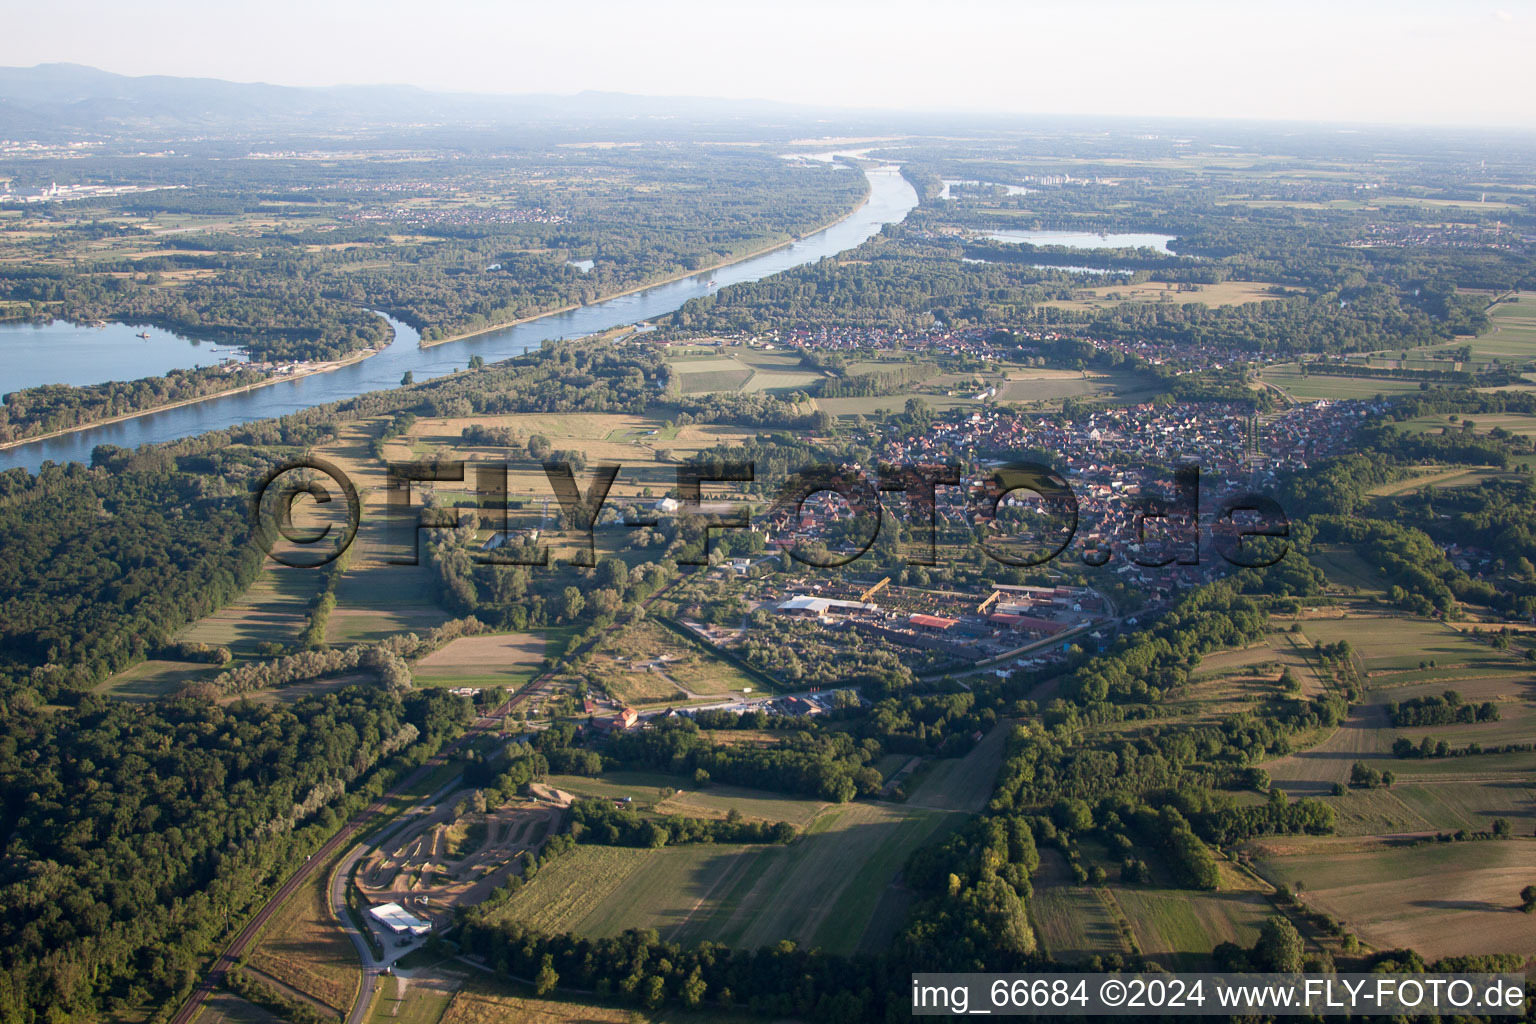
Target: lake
(1012,190)
(1087,239)
(890,199)
(32,354)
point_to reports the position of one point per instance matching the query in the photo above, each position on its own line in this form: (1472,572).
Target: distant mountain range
(53,101)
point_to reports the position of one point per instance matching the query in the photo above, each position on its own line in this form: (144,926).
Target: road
(242,942)
(373,967)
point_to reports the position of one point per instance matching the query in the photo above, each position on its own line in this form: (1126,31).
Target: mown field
(1311,387)
(822,890)
(832,887)
(1227,293)
(1513,338)
(485,1001)
(275,609)
(674,794)
(1441,899)
(1402,657)
(1175,927)
(497,659)
(743,369)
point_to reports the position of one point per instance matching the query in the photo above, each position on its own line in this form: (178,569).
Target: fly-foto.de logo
(1020,514)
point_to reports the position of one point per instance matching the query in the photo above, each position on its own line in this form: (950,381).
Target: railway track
(242,942)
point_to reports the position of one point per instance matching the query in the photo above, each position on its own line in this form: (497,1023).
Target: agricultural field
(965,783)
(1434,476)
(1313,386)
(831,887)
(870,405)
(1513,338)
(497,659)
(1034,385)
(1521,424)
(1399,658)
(1422,804)
(743,369)
(484,1001)
(1444,899)
(155,678)
(224,1007)
(274,610)
(1072,922)
(716,801)
(1227,293)
(1177,928)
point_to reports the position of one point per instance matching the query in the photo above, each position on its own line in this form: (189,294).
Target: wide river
(890,199)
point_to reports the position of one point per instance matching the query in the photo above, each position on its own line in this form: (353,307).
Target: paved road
(242,942)
(373,967)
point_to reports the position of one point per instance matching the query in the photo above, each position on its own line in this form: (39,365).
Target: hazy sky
(1451,62)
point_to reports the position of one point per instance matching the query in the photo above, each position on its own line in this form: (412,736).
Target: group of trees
(601,821)
(103,567)
(50,407)
(1447,709)
(824,764)
(136,833)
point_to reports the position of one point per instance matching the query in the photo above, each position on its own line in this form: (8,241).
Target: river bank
(733,261)
(326,367)
(889,200)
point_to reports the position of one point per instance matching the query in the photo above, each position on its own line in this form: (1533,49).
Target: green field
(275,609)
(1314,386)
(683,797)
(1178,928)
(1521,424)
(152,679)
(1072,922)
(743,369)
(1423,803)
(495,659)
(1513,338)
(966,783)
(1343,566)
(833,887)
(377,600)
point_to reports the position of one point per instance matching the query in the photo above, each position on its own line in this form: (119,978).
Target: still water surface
(891,198)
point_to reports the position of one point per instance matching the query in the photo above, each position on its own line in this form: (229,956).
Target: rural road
(243,941)
(372,966)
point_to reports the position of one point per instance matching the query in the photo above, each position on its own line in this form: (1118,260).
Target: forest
(133,834)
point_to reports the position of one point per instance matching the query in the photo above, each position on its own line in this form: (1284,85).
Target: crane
(872,591)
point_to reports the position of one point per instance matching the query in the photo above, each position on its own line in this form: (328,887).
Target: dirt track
(424,871)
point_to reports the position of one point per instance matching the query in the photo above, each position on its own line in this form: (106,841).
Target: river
(890,199)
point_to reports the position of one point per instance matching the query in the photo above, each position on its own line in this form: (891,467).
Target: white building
(402,922)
